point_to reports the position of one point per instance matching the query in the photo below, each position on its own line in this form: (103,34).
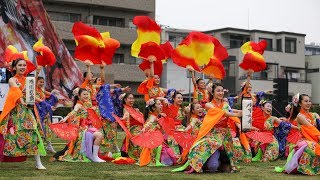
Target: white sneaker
(98,160)
(50,148)
(40,167)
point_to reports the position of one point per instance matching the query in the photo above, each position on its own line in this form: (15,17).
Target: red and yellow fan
(123,160)
(150,139)
(45,55)
(263,137)
(65,131)
(215,67)
(253,58)
(294,136)
(88,41)
(156,53)
(195,50)
(147,45)
(147,30)
(11,53)
(111,45)
(184,139)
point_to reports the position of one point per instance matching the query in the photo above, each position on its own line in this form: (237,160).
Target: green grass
(65,170)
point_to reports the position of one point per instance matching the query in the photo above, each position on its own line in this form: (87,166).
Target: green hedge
(315,108)
(62,111)
(139,103)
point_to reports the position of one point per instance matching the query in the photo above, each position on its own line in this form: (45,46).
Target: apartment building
(312,49)
(313,65)
(284,55)
(113,16)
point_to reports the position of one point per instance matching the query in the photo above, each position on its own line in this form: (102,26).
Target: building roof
(252,31)
(175,30)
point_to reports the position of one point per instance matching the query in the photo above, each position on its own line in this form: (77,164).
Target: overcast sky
(299,16)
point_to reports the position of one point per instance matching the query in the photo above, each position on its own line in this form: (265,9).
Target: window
(61,16)
(269,43)
(279,45)
(131,25)
(236,41)
(118,58)
(172,38)
(313,70)
(108,21)
(291,45)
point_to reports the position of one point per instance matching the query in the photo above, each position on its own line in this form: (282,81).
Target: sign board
(30,90)
(246,114)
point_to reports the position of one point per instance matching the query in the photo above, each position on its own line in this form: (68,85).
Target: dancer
(133,120)
(18,126)
(86,147)
(151,157)
(305,157)
(195,119)
(177,112)
(265,151)
(214,134)
(44,109)
(200,93)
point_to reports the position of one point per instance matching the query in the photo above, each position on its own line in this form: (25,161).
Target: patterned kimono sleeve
(72,115)
(127,119)
(148,125)
(192,124)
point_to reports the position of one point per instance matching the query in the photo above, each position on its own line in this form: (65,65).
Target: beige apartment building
(114,16)
(285,57)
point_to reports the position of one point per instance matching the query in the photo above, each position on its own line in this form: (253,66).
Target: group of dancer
(203,136)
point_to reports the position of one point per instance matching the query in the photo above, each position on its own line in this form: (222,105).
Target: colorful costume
(106,109)
(80,149)
(175,112)
(151,157)
(270,150)
(150,90)
(195,123)
(306,155)
(134,124)
(213,136)
(45,113)
(92,89)
(18,126)
(201,95)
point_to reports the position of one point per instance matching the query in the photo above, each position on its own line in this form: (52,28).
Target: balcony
(138,5)
(120,72)
(294,87)
(123,35)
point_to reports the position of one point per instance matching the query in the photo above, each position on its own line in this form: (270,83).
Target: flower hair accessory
(209,88)
(263,101)
(295,100)
(150,102)
(122,96)
(75,91)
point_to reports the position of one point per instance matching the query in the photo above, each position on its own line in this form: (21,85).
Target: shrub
(140,104)
(62,111)
(315,108)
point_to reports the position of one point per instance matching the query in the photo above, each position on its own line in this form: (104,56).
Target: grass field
(64,170)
